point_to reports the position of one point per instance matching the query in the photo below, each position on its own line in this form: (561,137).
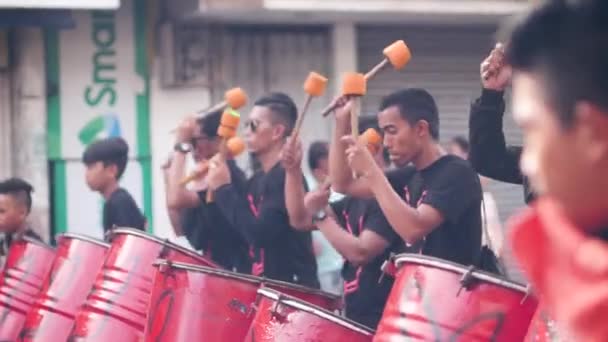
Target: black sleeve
(453,191)
(272,219)
(124,212)
(194,227)
(399,178)
(489,153)
(338,208)
(377,223)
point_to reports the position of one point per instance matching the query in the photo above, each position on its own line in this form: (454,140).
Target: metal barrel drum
(191,303)
(27,267)
(437,300)
(116,308)
(77,262)
(281,317)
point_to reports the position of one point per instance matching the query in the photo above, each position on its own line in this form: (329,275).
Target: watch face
(183,147)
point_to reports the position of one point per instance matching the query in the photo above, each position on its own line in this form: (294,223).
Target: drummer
(355,227)
(434,204)
(559,55)
(15,207)
(202,223)
(280,252)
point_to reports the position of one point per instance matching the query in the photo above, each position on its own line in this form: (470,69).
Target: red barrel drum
(78,261)
(191,303)
(437,300)
(544,329)
(26,270)
(116,308)
(280,317)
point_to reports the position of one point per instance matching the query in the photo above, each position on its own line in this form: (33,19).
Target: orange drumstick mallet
(372,139)
(227,129)
(235,146)
(234,98)
(314,86)
(397,54)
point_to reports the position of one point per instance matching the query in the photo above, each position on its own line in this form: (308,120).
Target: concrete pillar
(5,109)
(344,40)
(29,123)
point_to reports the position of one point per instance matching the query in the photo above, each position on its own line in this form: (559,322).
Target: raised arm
(489,153)
(340,173)
(291,159)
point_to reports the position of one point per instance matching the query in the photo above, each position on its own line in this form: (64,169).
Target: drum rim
(261,281)
(84,238)
(207,270)
(315,310)
(458,268)
(36,242)
(146,235)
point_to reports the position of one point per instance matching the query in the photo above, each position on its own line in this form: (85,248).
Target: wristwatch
(319,216)
(182,147)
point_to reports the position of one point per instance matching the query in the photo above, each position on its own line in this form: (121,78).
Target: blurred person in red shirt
(559,56)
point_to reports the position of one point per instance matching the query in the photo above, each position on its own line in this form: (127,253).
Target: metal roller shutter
(261,59)
(445,62)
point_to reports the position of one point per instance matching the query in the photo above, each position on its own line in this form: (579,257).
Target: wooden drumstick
(397,54)
(234,98)
(314,86)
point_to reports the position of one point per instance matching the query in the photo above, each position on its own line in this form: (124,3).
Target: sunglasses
(252,125)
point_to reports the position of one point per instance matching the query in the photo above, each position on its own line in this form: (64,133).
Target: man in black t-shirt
(106,161)
(356,228)
(259,212)
(202,223)
(433,204)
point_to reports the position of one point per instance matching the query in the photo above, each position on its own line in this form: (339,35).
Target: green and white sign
(99,74)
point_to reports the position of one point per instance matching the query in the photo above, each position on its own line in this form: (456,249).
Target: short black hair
(209,123)
(462,142)
(283,107)
(317,151)
(19,189)
(566,44)
(415,104)
(368,121)
(110,151)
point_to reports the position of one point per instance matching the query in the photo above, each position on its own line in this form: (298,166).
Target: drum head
(165,242)
(314,310)
(83,238)
(424,260)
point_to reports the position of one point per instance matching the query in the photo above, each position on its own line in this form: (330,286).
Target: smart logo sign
(101,94)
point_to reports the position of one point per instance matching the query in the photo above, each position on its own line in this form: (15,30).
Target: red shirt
(568,269)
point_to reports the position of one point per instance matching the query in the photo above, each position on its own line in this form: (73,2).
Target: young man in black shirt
(433,204)
(259,212)
(202,223)
(357,229)
(15,207)
(106,161)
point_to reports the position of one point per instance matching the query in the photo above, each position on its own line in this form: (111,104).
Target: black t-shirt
(451,186)
(278,250)
(365,294)
(205,229)
(121,210)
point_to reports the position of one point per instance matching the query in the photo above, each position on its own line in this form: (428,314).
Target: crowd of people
(359,207)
